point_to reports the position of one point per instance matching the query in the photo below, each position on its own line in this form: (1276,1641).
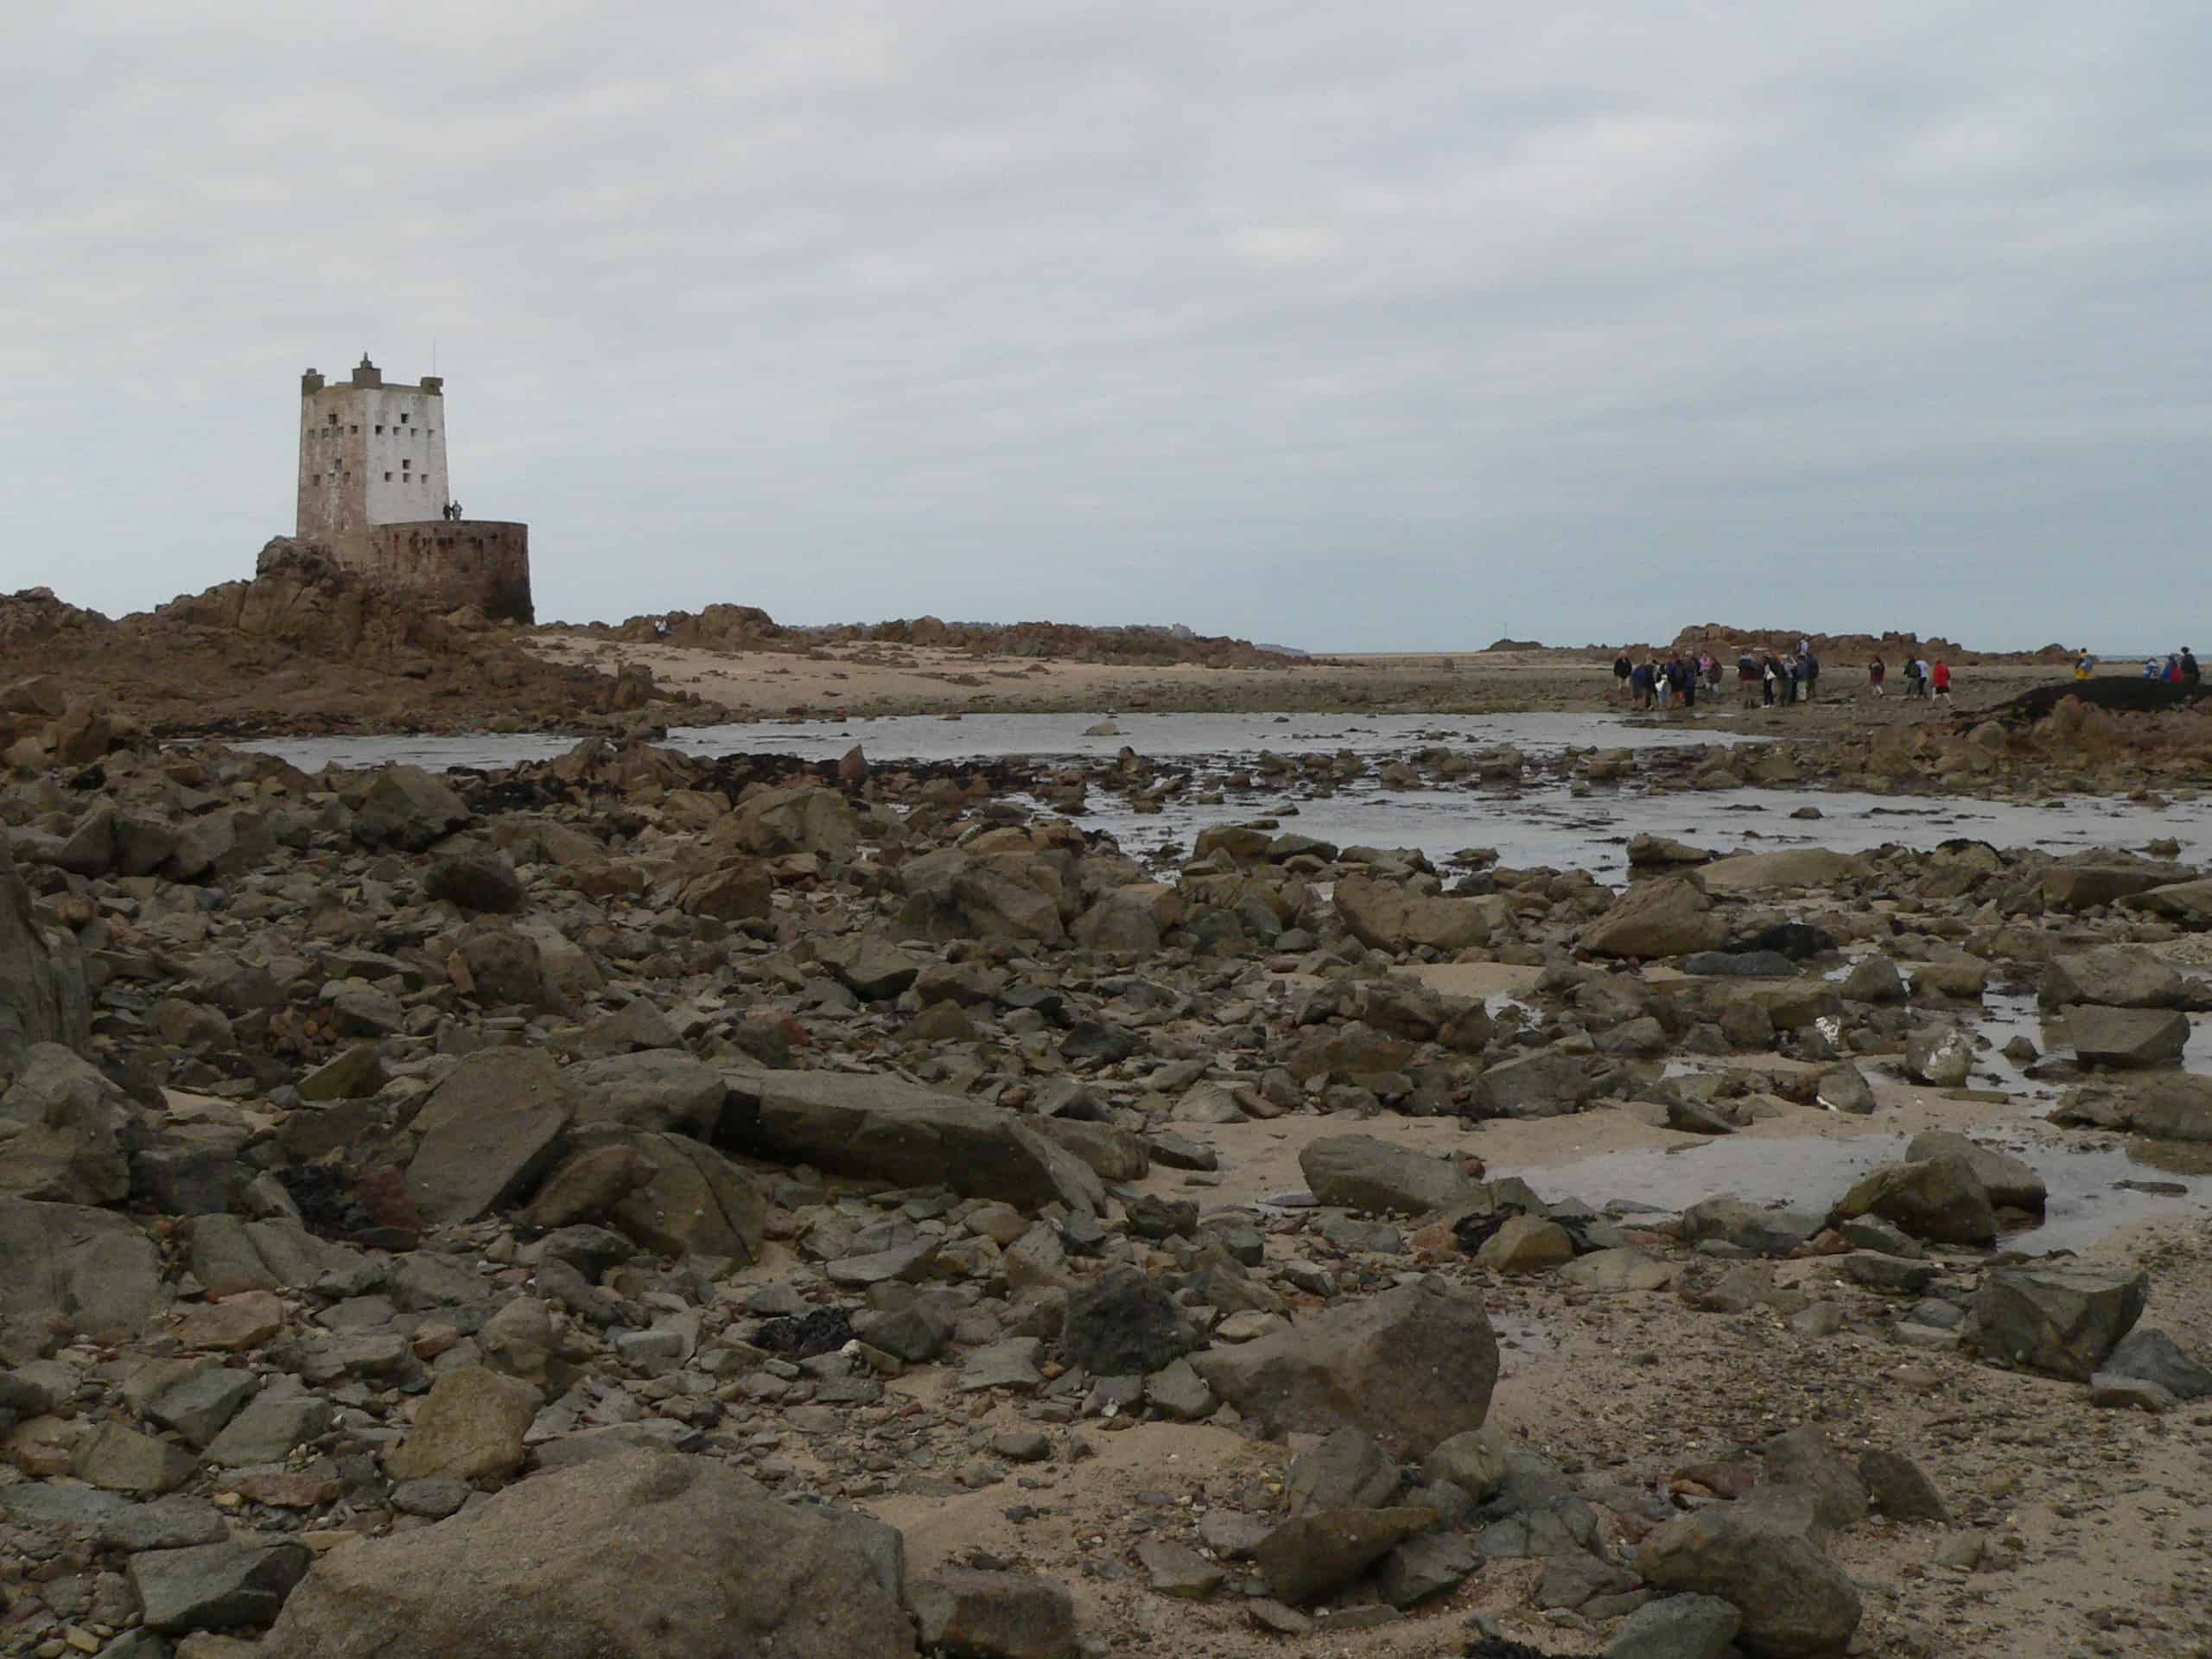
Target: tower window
(318,477)
(355,430)
(387,477)
(333,420)
(379,430)
(402,420)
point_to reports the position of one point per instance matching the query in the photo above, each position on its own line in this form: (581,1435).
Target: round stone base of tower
(448,563)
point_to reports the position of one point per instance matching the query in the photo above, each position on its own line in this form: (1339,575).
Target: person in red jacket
(1941,681)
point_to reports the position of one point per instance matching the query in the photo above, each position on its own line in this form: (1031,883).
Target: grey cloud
(1391,327)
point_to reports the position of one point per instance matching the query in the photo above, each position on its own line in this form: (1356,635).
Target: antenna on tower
(434,354)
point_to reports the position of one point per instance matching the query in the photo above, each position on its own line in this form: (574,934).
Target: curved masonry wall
(450,562)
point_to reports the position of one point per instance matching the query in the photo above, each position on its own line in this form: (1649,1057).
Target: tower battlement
(374,491)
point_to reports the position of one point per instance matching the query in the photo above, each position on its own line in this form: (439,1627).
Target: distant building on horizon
(375,497)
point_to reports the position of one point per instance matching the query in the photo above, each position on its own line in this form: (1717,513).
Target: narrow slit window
(387,477)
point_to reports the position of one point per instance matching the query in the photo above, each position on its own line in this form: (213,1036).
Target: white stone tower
(374,495)
(370,455)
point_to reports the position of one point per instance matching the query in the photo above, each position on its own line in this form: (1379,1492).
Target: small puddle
(2086,1201)
(2008,1016)
(1550,817)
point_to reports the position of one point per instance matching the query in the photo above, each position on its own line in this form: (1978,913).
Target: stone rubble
(435,1207)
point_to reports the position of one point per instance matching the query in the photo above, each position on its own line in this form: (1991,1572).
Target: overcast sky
(1397,326)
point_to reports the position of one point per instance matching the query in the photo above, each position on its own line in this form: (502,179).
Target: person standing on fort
(1623,669)
(1877,672)
(2190,673)
(1940,677)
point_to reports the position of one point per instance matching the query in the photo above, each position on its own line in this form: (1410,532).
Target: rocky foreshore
(304,646)
(867,1214)
(307,648)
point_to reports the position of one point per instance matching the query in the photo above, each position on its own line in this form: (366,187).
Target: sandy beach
(878,679)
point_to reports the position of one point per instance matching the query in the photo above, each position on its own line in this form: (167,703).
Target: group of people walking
(2179,669)
(1664,683)
(1771,678)
(1763,678)
(1921,678)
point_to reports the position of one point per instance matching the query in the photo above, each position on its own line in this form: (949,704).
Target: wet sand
(880,679)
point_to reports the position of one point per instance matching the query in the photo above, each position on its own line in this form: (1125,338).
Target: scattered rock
(995,1615)
(1668,916)
(2112,977)
(2064,1320)
(1678,1627)
(880,1127)
(2127,1038)
(470,1427)
(1794,1601)
(551,1566)
(2153,1357)
(488,1131)
(1347,1471)
(1364,1172)
(2012,1183)
(1940,1055)
(1413,1366)
(1125,1324)
(218,1586)
(1312,1557)
(1941,1200)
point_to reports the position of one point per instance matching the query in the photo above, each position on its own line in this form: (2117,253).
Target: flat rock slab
(488,1131)
(269,1429)
(215,1586)
(1008,1364)
(120,1459)
(237,1322)
(1006,1615)
(94,1268)
(887,1129)
(1364,1172)
(659,1089)
(560,1563)
(1178,1570)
